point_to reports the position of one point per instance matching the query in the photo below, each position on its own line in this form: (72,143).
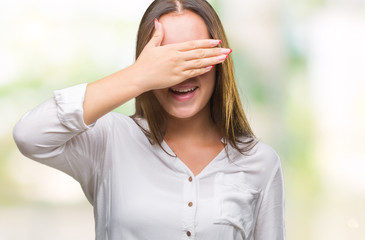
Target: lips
(183,93)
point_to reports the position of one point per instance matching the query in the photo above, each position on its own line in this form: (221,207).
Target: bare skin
(191,134)
(194,138)
(196,141)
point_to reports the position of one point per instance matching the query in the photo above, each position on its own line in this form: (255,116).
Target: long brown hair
(225,105)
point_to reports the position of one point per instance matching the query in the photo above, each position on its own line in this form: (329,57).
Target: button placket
(189,208)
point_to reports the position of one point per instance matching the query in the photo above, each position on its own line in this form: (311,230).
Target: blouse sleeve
(270,222)
(55,134)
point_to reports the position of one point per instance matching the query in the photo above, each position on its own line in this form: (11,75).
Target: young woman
(186,165)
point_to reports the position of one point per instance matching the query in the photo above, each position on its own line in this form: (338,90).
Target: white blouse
(140,192)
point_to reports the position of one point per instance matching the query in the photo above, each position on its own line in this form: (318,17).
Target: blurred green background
(301,72)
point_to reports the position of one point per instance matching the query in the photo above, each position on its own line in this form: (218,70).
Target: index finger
(196,44)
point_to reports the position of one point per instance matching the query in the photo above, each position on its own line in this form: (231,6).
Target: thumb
(158,34)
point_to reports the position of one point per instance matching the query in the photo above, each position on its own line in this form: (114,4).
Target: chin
(182,113)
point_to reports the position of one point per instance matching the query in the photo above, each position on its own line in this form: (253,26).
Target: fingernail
(226,50)
(209,68)
(215,42)
(222,57)
(156,24)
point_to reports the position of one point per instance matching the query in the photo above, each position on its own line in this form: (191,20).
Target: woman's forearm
(109,93)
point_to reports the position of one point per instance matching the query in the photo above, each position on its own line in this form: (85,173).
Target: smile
(183,91)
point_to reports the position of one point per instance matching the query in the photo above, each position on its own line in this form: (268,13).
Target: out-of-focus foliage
(299,68)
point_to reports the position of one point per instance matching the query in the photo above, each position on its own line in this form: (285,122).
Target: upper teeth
(183,90)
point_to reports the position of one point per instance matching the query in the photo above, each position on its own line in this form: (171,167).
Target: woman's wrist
(136,78)
(110,92)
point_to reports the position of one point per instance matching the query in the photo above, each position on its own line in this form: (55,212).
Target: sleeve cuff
(69,102)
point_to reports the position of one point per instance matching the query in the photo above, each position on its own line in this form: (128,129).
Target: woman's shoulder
(265,150)
(259,153)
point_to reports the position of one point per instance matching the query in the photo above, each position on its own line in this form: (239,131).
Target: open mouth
(183,91)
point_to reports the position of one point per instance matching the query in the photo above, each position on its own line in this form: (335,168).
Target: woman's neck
(198,128)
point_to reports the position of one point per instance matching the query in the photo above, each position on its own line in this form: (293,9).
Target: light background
(301,71)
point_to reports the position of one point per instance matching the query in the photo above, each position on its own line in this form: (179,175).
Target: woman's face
(190,97)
